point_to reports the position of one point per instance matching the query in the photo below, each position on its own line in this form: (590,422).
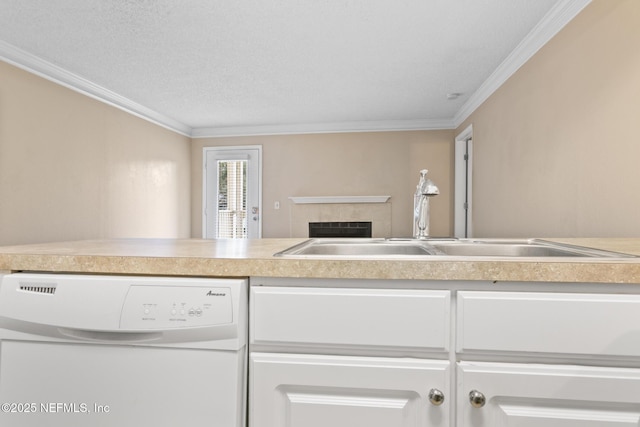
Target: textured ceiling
(208,65)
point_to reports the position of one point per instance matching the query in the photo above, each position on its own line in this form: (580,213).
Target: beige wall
(75,168)
(347,164)
(556,152)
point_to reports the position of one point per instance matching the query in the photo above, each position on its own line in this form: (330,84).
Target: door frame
(463,184)
(205,184)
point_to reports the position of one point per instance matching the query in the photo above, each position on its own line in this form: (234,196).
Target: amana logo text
(215,294)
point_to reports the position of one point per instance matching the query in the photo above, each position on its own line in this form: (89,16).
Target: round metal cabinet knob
(477,399)
(436,397)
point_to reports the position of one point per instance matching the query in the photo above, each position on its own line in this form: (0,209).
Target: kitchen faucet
(424,191)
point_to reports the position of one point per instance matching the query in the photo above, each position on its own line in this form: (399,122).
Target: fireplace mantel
(374,209)
(304,200)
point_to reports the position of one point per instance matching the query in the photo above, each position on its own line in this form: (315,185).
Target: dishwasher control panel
(166,307)
(126,308)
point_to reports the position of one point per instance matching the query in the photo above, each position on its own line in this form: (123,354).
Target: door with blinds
(232,192)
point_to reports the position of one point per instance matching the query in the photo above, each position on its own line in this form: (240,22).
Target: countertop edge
(197,257)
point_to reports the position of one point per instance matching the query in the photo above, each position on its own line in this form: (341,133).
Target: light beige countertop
(242,258)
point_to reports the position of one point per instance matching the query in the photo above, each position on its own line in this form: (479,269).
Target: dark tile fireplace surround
(340,229)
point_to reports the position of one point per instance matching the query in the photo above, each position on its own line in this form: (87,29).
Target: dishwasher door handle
(37,330)
(128,337)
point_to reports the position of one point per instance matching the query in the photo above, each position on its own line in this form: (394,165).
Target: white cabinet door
(288,390)
(517,395)
(409,319)
(593,325)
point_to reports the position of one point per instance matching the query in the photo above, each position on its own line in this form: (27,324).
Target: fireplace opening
(340,229)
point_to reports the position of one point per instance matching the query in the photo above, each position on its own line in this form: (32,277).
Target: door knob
(477,399)
(436,397)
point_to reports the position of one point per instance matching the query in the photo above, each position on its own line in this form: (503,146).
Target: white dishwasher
(83,350)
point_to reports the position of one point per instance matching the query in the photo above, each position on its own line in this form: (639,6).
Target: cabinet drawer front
(574,324)
(321,391)
(415,319)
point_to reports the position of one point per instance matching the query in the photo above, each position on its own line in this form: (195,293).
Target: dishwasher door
(158,367)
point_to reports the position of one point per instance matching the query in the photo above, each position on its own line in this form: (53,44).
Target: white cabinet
(562,334)
(340,391)
(519,395)
(539,323)
(344,357)
(359,319)
(339,356)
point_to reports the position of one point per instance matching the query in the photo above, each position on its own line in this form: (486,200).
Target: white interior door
(463,207)
(232,202)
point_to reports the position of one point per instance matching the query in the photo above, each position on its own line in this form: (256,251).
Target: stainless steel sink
(360,247)
(403,248)
(519,248)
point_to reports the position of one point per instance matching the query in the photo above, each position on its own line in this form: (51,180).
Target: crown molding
(559,16)
(51,72)
(337,127)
